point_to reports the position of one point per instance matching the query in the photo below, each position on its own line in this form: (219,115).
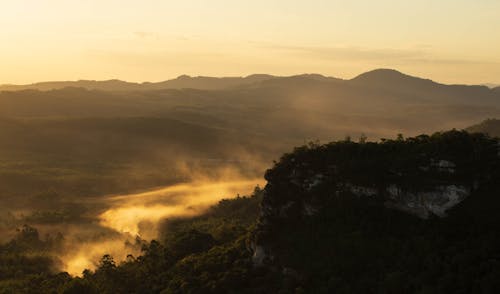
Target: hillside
(59,137)
(389,78)
(402,216)
(84,157)
(489,126)
(309,106)
(329,221)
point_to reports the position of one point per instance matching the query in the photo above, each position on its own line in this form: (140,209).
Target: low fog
(119,224)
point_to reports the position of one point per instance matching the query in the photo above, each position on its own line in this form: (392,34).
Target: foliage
(352,246)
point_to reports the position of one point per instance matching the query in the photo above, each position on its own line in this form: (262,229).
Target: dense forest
(351,244)
(205,253)
(111,168)
(249,147)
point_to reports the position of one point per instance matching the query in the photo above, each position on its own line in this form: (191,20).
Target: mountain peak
(183,77)
(382,78)
(382,74)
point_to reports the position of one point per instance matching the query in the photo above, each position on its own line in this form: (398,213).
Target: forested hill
(414,215)
(489,126)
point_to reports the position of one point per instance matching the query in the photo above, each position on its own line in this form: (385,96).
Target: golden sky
(451,41)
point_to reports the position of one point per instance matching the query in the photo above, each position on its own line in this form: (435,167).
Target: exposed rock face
(423,176)
(259,256)
(304,190)
(444,165)
(425,203)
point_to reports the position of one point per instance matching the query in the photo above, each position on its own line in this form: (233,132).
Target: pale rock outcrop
(425,203)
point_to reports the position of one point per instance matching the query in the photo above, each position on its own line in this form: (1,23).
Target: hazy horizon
(448,41)
(283,146)
(337,76)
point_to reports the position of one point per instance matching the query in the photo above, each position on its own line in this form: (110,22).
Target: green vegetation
(352,245)
(62,150)
(207,253)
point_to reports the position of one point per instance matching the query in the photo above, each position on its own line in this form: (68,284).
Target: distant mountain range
(489,126)
(204,120)
(379,103)
(375,78)
(184,81)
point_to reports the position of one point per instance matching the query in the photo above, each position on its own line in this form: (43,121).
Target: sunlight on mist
(128,212)
(128,219)
(138,215)
(86,255)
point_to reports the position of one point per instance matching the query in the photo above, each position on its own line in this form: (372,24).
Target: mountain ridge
(375,78)
(489,126)
(183,81)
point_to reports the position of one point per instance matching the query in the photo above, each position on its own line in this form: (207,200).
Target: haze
(249,146)
(449,41)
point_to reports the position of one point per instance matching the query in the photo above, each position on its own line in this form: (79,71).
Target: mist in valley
(96,170)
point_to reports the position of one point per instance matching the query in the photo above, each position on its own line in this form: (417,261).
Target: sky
(450,41)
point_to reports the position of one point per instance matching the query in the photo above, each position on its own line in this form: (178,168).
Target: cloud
(143,34)
(351,52)
(421,53)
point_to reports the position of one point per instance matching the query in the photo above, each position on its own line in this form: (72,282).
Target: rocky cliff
(424,176)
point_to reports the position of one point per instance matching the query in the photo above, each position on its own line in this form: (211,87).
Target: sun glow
(157,40)
(138,215)
(128,212)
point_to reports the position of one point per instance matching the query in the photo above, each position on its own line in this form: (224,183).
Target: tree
(362,139)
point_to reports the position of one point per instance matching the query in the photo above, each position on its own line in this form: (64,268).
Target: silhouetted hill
(304,106)
(383,85)
(489,126)
(497,89)
(204,83)
(388,78)
(109,85)
(209,83)
(393,81)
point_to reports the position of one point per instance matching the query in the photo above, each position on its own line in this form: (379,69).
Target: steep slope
(489,126)
(346,216)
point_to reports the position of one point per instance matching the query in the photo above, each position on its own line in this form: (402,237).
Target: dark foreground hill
(415,215)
